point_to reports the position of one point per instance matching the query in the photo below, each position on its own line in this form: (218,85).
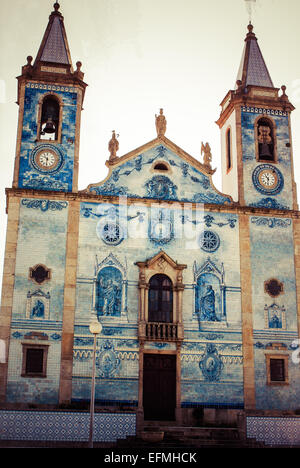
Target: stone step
(180,438)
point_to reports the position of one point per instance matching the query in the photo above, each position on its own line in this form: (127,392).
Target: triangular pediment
(160,170)
(159,260)
(161,263)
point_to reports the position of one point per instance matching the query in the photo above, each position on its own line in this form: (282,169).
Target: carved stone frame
(161,263)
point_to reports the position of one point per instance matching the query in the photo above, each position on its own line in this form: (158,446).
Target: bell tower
(256,147)
(50,97)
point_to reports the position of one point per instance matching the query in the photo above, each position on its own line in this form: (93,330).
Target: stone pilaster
(8,284)
(65,388)
(247,320)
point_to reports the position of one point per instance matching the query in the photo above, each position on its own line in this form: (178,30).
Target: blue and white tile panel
(274,431)
(65,426)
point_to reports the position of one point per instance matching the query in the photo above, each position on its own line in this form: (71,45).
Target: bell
(49,127)
(265,152)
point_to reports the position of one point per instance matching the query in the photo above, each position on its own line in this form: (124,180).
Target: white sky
(139,56)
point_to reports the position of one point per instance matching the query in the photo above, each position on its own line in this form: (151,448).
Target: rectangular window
(228,150)
(34,360)
(277,369)
(277,373)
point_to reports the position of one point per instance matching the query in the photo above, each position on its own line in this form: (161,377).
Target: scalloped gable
(185,179)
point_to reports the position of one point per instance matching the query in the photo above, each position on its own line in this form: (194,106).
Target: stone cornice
(238,98)
(234,208)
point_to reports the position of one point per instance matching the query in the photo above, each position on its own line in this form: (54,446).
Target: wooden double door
(159,387)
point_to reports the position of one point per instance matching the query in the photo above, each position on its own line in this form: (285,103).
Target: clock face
(267,179)
(46,159)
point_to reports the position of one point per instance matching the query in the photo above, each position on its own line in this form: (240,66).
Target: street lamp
(95,329)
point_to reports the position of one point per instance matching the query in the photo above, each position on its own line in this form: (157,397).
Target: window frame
(29,346)
(284,358)
(228,146)
(163,277)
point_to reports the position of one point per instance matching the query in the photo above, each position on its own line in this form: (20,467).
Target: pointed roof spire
(253,70)
(54,47)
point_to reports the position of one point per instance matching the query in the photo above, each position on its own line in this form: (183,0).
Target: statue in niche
(207,305)
(160,123)
(109,292)
(38,309)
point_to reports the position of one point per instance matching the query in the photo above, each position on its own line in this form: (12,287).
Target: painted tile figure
(208,306)
(109,292)
(38,309)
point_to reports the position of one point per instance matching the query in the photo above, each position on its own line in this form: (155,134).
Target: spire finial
(56,7)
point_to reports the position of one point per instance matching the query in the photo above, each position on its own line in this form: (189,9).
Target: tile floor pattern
(64,426)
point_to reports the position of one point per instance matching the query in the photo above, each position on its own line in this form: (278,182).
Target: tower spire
(253,70)
(54,47)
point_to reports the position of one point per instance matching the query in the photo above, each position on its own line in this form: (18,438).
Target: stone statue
(113,146)
(207,158)
(161,123)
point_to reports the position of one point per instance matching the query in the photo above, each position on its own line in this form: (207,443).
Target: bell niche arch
(49,123)
(265,139)
(160,298)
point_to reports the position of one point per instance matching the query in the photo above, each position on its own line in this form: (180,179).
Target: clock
(46,159)
(267,179)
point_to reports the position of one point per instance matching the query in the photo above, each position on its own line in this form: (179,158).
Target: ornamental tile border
(65,426)
(274,430)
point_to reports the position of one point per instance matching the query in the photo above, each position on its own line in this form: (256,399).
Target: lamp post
(95,329)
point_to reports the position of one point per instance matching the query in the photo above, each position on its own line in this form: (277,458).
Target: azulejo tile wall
(275,260)
(274,431)
(41,240)
(282,199)
(65,426)
(113,239)
(29,175)
(136,178)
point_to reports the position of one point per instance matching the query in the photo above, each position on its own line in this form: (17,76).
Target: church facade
(197,291)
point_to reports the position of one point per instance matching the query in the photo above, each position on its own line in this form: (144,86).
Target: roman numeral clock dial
(267,179)
(46,159)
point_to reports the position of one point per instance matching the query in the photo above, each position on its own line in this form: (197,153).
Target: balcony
(161,331)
